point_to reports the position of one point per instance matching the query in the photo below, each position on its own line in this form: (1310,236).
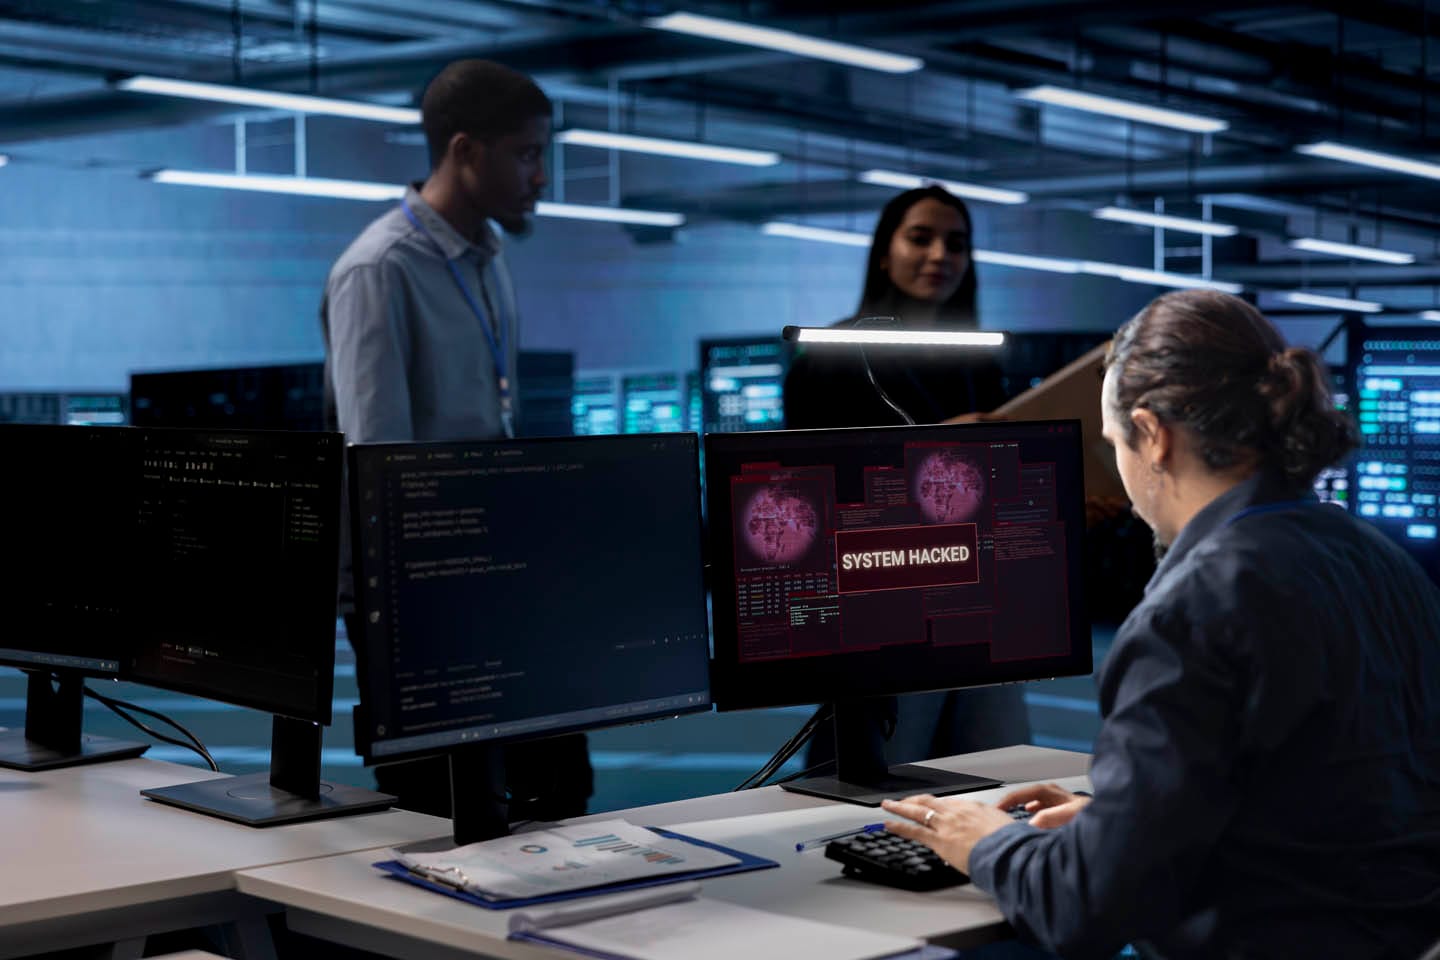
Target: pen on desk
(821,841)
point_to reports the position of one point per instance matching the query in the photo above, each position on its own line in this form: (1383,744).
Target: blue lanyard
(495,338)
(1275,507)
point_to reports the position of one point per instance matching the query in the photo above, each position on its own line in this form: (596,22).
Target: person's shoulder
(376,245)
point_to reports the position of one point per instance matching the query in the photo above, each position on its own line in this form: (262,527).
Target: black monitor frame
(475,780)
(850,680)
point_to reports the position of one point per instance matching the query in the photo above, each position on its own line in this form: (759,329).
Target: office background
(104,272)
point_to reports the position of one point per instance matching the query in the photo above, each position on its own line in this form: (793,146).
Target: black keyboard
(883,857)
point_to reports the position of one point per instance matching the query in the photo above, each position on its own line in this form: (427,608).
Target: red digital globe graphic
(780,524)
(949,487)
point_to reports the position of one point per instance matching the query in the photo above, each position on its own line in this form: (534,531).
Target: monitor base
(899,781)
(253,801)
(18,753)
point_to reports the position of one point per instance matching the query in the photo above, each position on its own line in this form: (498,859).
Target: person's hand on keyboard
(951,826)
(1050,805)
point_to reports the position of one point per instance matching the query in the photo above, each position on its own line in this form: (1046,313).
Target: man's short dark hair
(481,98)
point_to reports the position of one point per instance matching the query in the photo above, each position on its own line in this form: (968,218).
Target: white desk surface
(345,899)
(82,840)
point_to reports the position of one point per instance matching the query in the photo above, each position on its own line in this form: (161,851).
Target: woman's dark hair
(880,294)
(1211,363)
(481,98)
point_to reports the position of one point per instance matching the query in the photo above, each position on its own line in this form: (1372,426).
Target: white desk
(345,900)
(88,860)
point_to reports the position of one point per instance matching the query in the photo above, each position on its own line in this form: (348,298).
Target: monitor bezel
(368,686)
(737,685)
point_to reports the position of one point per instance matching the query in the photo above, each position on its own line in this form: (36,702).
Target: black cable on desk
(119,708)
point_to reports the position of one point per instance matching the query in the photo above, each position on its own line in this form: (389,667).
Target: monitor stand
(478,807)
(291,792)
(861,774)
(53,738)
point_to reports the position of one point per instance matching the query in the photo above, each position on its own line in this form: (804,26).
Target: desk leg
(248,939)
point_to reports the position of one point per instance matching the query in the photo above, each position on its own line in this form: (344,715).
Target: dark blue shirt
(1267,777)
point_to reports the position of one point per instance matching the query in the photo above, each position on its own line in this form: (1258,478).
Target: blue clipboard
(748,862)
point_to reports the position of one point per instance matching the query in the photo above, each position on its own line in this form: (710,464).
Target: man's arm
(1124,868)
(369,345)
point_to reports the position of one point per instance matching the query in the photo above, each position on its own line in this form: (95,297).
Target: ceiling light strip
(1330,150)
(668,148)
(270,99)
(1124,109)
(970,191)
(798,231)
(786,41)
(1430,314)
(1376,254)
(1166,222)
(1332,303)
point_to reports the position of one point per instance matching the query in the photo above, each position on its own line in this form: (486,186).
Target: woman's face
(930,252)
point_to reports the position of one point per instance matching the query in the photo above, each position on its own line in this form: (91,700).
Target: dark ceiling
(1281,75)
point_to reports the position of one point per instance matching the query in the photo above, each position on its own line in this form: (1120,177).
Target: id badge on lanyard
(494,336)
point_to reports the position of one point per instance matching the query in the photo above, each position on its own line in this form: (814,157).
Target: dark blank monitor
(1029,356)
(522,589)
(850,564)
(546,392)
(277,397)
(1393,379)
(742,381)
(66,519)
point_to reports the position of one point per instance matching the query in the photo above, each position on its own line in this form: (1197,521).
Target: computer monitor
(593,406)
(546,392)
(1332,484)
(523,589)
(742,381)
(1394,384)
(653,403)
(279,397)
(65,521)
(849,564)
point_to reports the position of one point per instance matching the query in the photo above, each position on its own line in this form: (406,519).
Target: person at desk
(919,271)
(1267,775)
(420,328)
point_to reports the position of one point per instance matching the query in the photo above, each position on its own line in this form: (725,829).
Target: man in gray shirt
(420,333)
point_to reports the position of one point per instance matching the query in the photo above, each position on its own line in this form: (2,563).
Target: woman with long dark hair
(919,274)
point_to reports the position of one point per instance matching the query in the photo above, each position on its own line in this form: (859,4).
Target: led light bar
(668,148)
(970,191)
(1430,315)
(1333,303)
(272,99)
(1024,262)
(1370,158)
(366,190)
(575,211)
(298,186)
(1125,109)
(796,231)
(787,42)
(1166,222)
(929,338)
(1316,245)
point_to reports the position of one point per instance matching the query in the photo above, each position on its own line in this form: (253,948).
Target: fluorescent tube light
(272,99)
(1025,262)
(3,159)
(366,190)
(970,191)
(1430,314)
(575,211)
(1166,222)
(1333,303)
(933,338)
(299,186)
(668,148)
(796,231)
(786,41)
(1370,158)
(1125,109)
(1315,245)
(1157,278)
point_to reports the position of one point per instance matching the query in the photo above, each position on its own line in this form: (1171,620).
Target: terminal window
(1395,479)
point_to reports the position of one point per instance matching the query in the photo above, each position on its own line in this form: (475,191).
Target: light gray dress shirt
(405,355)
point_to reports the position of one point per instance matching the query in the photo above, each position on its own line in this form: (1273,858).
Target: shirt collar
(1260,487)
(452,245)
